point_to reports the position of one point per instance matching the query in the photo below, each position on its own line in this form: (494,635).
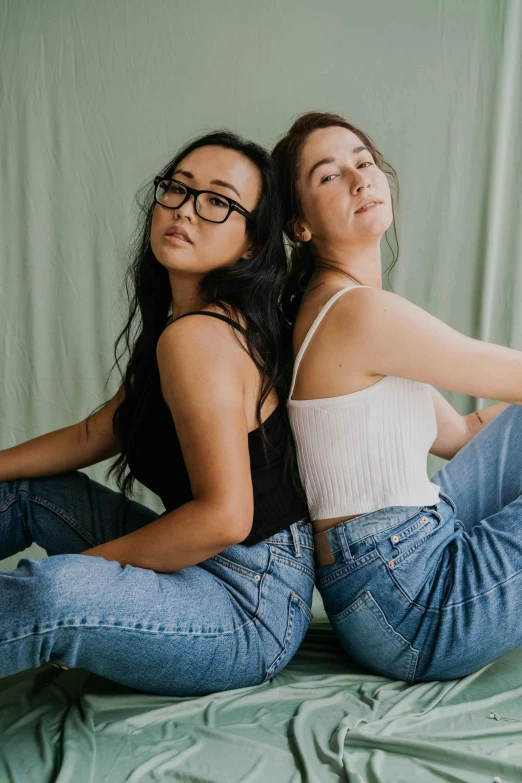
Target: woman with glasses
(214,593)
(421,579)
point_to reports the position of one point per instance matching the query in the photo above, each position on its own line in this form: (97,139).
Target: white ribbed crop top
(366,450)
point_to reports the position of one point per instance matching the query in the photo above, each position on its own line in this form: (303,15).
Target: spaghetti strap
(214,315)
(315,324)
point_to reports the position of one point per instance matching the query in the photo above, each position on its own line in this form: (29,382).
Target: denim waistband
(353,530)
(300,533)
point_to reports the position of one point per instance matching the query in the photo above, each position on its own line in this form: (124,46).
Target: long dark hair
(252,287)
(286,154)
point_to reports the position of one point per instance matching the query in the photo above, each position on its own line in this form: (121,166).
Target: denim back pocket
(369,639)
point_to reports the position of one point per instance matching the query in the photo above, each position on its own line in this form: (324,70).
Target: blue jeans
(233,620)
(416,593)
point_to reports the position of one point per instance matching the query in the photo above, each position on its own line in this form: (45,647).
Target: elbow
(236,523)
(242,532)
(458,437)
(241,528)
(229,516)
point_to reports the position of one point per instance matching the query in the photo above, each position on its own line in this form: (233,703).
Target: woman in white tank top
(411,570)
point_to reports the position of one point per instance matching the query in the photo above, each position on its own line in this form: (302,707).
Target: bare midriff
(320,525)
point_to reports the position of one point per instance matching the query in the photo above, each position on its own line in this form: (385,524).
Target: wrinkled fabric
(233,620)
(94,98)
(322,719)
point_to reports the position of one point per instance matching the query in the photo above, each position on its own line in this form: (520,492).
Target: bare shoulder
(199,330)
(382,323)
(373,317)
(203,357)
(202,349)
(360,306)
(394,336)
(200,363)
(355,310)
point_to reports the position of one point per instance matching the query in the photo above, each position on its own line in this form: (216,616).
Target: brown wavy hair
(287,154)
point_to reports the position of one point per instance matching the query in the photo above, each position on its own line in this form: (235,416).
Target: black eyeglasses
(214,207)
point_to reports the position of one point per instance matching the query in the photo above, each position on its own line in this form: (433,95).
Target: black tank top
(156,460)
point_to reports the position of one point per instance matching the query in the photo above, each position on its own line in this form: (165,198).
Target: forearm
(45,455)
(474,423)
(190,534)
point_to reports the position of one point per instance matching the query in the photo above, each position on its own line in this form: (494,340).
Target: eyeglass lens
(209,206)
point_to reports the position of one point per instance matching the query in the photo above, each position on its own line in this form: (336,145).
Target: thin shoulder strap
(315,324)
(214,315)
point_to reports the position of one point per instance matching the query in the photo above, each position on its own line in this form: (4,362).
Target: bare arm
(65,449)
(202,378)
(455,430)
(395,337)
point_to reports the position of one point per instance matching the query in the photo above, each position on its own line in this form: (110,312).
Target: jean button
(395,539)
(425,519)
(391,564)
(257,577)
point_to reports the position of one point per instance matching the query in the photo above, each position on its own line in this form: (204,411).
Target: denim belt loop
(295,539)
(343,541)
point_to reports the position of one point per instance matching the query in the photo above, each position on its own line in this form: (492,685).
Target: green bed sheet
(323,719)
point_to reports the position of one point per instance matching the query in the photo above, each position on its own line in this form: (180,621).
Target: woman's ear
(250,253)
(301,233)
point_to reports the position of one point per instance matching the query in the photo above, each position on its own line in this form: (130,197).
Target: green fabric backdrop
(95,97)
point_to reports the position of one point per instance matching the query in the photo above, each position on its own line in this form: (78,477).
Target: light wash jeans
(231,621)
(435,592)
